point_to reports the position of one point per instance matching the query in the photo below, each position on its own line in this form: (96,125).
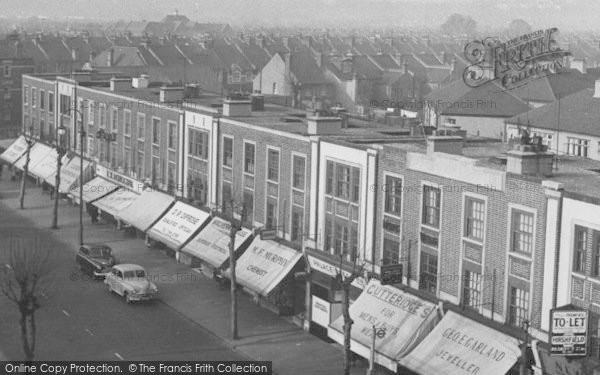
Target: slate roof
(386,62)
(305,69)
(579,113)
(489,100)
(123,56)
(230,55)
(256,55)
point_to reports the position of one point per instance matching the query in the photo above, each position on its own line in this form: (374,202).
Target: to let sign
(568,332)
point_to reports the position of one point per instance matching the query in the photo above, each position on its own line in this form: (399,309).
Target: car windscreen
(135,273)
(100,252)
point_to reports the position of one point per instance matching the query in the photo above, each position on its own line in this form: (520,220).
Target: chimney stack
(117,84)
(110,59)
(449,144)
(597,89)
(530,159)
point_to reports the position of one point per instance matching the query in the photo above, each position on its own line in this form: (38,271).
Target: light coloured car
(131,282)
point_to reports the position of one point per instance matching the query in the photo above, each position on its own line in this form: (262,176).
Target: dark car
(95,259)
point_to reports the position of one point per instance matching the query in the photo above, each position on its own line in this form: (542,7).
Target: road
(81,320)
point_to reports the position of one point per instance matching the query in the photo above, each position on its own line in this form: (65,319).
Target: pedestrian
(93,211)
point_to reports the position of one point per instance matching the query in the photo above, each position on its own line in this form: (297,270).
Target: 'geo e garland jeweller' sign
(514,62)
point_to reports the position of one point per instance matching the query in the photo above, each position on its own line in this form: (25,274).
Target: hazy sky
(565,14)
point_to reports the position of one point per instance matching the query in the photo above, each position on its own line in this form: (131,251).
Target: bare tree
(346,280)
(25,172)
(236,226)
(23,280)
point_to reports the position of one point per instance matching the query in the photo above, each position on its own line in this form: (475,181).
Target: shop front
(209,249)
(266,271)
(69,174)
(112,204)
(47,166)
(15,151)
(461,346)
(93,190)
(145,210)
(37,154)
(326,292)
(177,226)
(563,364)
(404,319)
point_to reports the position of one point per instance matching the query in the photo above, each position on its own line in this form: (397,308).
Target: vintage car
(95,259)
(131,282)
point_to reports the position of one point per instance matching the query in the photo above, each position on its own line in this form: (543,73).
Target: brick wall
(263,139)
(519,192)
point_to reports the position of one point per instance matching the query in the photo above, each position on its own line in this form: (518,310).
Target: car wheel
(128,298)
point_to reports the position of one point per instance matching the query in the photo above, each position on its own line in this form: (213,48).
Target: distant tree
(458,24)
(23,279)
(518,27)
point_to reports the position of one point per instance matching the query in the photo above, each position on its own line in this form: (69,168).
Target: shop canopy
(264,265)
(94,189)
(406,319)
(69,174)
(461,346)
(212,243)
(146,209)
(178,225)
(37,153)
(116,201)
(47,166)
(16,150)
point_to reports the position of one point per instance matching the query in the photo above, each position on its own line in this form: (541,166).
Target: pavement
(263,334)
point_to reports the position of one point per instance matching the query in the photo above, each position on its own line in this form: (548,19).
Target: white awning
(15,150)
(37,153)
(407,319)
(178,225)
(94,189)
(146,209)
(264,265)
(461,346)
(69,174)
(47,166)
(116,201)
(212,243)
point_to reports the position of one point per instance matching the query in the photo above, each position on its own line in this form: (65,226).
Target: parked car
(95,259)
(130,281)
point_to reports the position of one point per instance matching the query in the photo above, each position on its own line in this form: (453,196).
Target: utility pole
(61,150)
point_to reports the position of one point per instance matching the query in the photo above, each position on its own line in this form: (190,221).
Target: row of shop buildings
(490,238)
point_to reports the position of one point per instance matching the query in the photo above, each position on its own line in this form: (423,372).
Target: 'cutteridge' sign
(516,61)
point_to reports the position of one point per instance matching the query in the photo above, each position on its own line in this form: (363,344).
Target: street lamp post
(61,150)
(29,141)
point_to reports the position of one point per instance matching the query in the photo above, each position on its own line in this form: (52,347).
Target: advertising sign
(212,243)
(320,311)
(178,224)
(331,270)
(264,264)
(568,331)
(460,346)
(403,316)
